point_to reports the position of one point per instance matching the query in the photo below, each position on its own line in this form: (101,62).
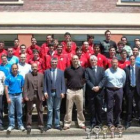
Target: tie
(133,77)
(53,79)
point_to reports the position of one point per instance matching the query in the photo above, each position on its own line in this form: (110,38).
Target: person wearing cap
(67,36)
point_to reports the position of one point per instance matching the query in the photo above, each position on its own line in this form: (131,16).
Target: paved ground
(125,137)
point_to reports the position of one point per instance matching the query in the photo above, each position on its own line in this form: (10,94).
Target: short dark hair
(123,37)
(78,49)
(35,51)
(97,45)
(90,36)
(107,31)
(120,43)
(13,65)
(16,39)
(22,45)
(3,55)
(134,48)
(112,47)
(50,44)
(131,56)
(67,33)
(122,51)
(1,41)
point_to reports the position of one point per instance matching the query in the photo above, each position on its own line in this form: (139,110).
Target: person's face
(138,44)
(16,43)
(86,45)
(108,35)
(10,52)
(22,58)
(112,52)
(79,53)
(36,55)
(124,40)
(54,64)
(75,60)
(93,62)
(90,40)
(14,69)
(56,42)
(59,49)
(135,51)
(23,49)
(114,63)
(33,41)
(1,45)
(123,55)
(4,60)
(68,46)
(34,68)
(132,60)
(96,50)
(120,47)
(49,39)
(51,48)
(67,37)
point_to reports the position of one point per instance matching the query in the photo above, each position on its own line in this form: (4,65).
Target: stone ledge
(19,2)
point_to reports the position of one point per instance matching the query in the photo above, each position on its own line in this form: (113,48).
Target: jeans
(53,102)
(1,110)
(16,102)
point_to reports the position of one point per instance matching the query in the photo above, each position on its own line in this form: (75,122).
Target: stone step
(64,133)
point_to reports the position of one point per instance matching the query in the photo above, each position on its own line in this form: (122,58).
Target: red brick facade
(70,6)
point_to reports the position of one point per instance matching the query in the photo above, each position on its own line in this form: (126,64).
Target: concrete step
(64,133)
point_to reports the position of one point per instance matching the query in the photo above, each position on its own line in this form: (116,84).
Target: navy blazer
(99,79)
(60,82)
(128,80)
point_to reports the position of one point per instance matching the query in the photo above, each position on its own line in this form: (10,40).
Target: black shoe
(59,128)
(127,125)
(1,128)
(41,130)
(47,128)
(28,130)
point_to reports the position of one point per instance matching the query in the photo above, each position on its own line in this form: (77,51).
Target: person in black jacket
(94,76)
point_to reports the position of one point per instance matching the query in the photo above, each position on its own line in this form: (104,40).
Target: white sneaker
(22,128)
(10,128)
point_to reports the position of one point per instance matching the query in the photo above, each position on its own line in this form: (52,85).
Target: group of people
(62,70)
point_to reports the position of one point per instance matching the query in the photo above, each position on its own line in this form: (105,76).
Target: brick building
(27,18)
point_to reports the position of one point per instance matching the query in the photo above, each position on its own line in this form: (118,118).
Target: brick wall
(70,6)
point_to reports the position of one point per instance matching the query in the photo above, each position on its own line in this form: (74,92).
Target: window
(11,2)
(129,2)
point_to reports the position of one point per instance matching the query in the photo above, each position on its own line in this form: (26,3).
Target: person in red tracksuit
(69,52)
(62,59)
(102,60)
(123,63)
(112,54)
(44,47)
(36,59)
(33,46)
(23,51)
(2,50)
(67,36)
(86,52)
(82,59)
(16,48)
(47,58)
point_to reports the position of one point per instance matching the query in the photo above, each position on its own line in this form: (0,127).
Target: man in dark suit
(94,76)
(54,90)
(33,93)
(132,89)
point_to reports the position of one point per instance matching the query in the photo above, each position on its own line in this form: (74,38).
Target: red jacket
(86,54)
(44,50)
(83,62)
(122,64)
(2,51)
(40,63)
(73,45)
(16,51)
(62,61)
(30,49)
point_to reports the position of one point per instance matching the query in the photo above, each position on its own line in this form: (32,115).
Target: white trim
(128,3)
(12,2)
(70,18)
(98,32)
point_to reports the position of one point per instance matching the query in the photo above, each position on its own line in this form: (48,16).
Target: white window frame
(19,2)
(119,2)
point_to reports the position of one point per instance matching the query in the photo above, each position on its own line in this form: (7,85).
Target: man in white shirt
(2,78)
(23,67)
